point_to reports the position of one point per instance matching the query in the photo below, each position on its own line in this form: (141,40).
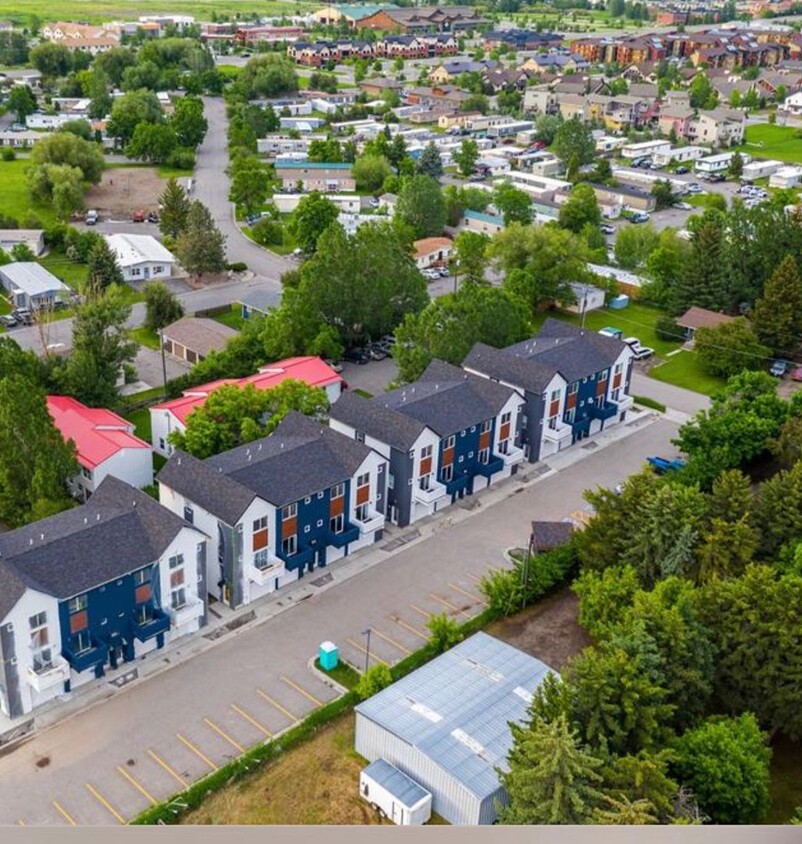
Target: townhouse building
(315,175)
(575,383)
(278,507)
(446,436)
(91,589)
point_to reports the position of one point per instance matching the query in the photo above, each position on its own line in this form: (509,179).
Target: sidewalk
(223,622)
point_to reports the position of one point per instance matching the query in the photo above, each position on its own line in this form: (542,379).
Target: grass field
(145,337)
(233,318)
(14,199)
(72,274)
(786,780)
(762,140)
(684,370)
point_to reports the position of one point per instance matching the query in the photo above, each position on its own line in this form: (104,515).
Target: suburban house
(30,285)
(445,436)
(258,301)
(432,252)
(94,588)
(278,507)
(34,239)
(172,415)
(575,383)
(315,175)
(192,338)
(695,318)
(479,221)
(105,443)
(718,128)
(141,257)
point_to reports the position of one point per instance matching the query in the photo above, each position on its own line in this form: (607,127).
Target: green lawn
(684,370)
(145,337)
(233,318)
(72,274)
(764,140)
(14,199)
(141,421)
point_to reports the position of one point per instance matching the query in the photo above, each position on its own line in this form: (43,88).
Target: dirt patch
(42,761)
(123,190)
(549,630)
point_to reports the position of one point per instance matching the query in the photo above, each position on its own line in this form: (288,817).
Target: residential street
(107,763)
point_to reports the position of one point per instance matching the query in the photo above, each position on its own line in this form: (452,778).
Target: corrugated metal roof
(404,789)
(456,709)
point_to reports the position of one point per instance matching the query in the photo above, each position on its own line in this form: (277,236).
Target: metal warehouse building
(446,724)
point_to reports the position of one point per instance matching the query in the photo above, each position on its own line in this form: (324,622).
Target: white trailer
(394,795)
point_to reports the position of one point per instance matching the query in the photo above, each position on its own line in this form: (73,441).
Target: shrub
(181,158)
(237,267)
(373,681)
(9,155)
(445,632)
(666,329)
(268,232)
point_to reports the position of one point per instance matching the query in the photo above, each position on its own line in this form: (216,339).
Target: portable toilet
(328,656)
(619,302)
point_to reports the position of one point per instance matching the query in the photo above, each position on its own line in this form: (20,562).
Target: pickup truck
(661,465)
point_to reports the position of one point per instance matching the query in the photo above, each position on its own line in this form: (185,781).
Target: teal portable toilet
(328,656)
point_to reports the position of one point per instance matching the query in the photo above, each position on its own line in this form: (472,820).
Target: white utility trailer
(394,795)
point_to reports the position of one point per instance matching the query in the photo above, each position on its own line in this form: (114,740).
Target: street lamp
(367,652)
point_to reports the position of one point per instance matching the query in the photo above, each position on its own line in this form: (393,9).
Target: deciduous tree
(730,348)
(514,205)
(162,306)
(314,214)
(201,246)
(579,209)
(466,156)
(421,206)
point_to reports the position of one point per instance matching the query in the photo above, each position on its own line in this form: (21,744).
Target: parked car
(779,368)
(717,177)
(359,356)
(661,465)
(443,272)
(8,321)
(606,228)
(22,315)
(683,206)
(92,217)
(641,352)
(138,216)
(153,217)
(681,170)
(796,374)
(640,217)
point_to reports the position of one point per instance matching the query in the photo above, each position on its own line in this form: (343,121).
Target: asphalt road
(107,763)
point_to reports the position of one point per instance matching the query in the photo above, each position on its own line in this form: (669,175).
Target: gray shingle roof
(299,458)
(374,419)
(549,535)
(447,399)
(119,530)
(499,363)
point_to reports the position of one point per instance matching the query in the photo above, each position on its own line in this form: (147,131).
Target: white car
(640,352)
(683,206)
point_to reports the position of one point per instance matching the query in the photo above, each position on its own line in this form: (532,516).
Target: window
(450,442)
(363,512)
(448,473)
(260,559)
(616,394)
(77,604)
(337,491)
(176,578)
(484,456)
(86,473)
(600,401)
(555,395)
(504,447)
(506,417)
(178,598)
(485,426)
(189,514)
(619,367)
(260,524)
(390,481)
(144,613)
(570,416)
(425,482)
(161,443)
(176,561)
(81,642)
(336,523)
(141,576)
(573,388)
(425,452)
(363,480)
(289,512)
(289,546)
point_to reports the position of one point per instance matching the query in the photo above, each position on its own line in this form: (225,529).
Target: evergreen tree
(624,812)
(201,247)
(703,281)
(174,209)
(103,268)
(777,315)
(551,779)
(430,163)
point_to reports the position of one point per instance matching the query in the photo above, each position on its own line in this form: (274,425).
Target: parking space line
(167,768)
(392,642)
(364,651)
(21,822)
(424,613)
(473,577)
(277,705)
(451,606)
(197,752)
(251,720)
(468,594)
(223,734)
(140,788)
(302,691)
(102,800)
(402,623)
(65,814)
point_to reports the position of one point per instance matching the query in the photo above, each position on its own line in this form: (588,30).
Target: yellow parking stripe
(277,705)
(392,642)
(424,613)
(473,577)
(305,693)
(224,735)
(65,814)
(167,768)
(21,822)
(102,800)
(197,752)
(140,788)
(468,594)
(449,605)
(364,651)
(251,720)
(402,623)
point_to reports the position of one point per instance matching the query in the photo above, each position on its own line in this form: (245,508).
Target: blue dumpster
(328,655)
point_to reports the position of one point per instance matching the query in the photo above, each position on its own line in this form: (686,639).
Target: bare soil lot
(124,190)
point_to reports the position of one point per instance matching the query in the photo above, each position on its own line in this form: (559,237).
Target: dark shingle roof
(447,399)
(119,530)
(299,458)
(549,535)
(499,363)
(374,419)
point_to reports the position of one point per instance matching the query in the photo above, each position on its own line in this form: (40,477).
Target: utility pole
(164,362)
(525,569)
(584,307)
(367,652)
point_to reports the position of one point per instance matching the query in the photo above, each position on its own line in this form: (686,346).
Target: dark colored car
(153,217)
(681,170)
(358,356)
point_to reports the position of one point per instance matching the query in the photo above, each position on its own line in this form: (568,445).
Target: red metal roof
(312,370)
(98,434)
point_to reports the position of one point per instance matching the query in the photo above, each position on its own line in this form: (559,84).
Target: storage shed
(446,725)
(393,793)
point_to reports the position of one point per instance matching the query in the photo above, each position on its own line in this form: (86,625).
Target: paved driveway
(107,763)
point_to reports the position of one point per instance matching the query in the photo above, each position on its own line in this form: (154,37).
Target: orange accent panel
(504,433)
(79,621)
(484,440)
(260,540)
(616,380)
(289,527)
(601,387)
(337,506)
(448,457)
(554,408)
(362,494)
(571,401)
(142,593)
(426,466)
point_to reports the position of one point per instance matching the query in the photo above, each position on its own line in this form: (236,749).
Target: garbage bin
(328,656)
